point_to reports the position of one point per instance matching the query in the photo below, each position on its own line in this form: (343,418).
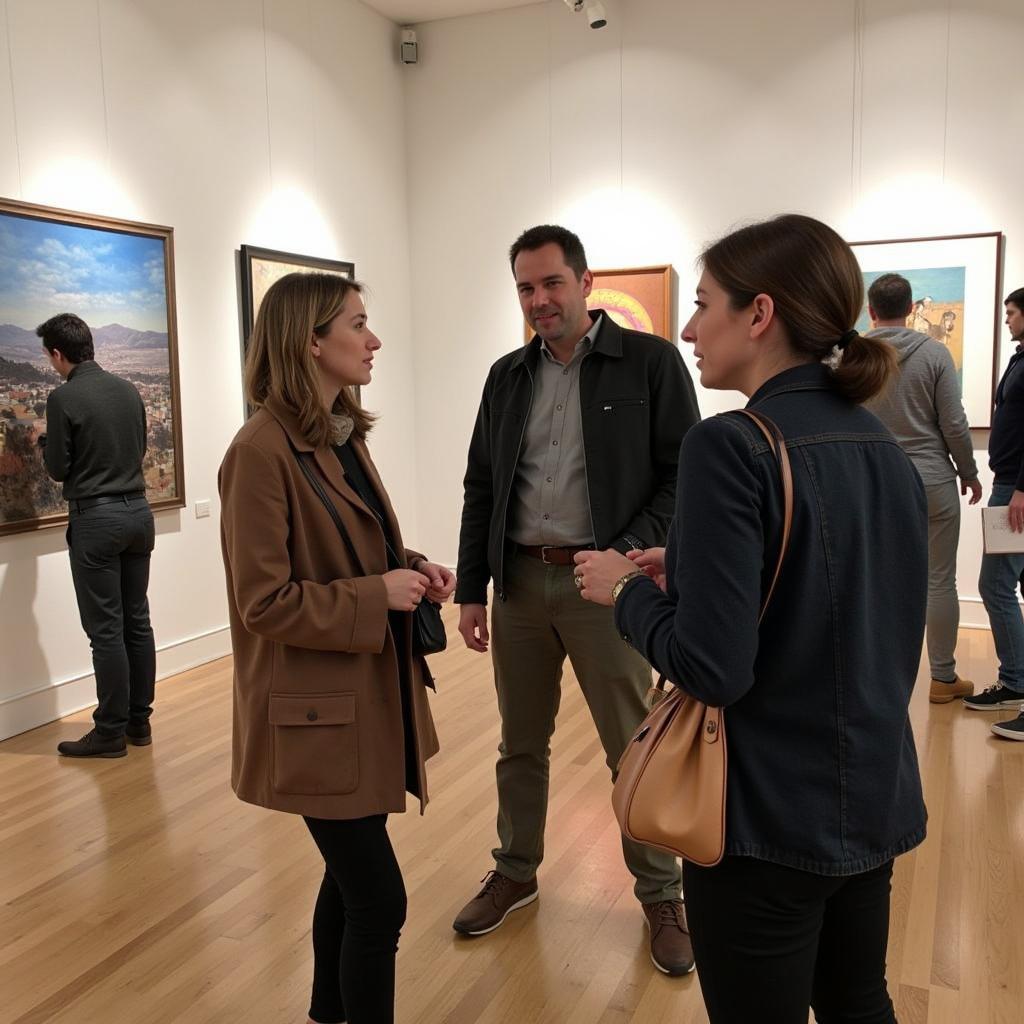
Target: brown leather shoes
(671,950)
(493,903)
(943,693)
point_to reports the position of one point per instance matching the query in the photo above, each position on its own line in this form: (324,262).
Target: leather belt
(553,555)
(81,504)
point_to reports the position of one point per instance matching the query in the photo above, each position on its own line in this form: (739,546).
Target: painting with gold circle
(637,299)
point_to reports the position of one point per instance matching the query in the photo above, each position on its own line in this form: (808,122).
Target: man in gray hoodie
(922,408)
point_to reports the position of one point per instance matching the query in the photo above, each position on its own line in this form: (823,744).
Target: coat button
(311,715)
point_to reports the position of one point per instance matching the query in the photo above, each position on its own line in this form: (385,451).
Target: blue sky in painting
(941,284)
(103,276)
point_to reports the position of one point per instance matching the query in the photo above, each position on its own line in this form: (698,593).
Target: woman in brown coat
(330,710)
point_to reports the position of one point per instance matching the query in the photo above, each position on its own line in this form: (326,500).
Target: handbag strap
(777,444)
(307,472)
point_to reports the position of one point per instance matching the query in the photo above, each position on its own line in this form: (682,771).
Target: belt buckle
(544,549)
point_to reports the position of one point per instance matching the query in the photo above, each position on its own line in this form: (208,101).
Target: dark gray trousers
(110,547)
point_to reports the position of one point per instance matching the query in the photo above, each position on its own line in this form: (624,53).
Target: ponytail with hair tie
(847,337)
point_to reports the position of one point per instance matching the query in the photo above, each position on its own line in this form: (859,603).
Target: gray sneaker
(493,903)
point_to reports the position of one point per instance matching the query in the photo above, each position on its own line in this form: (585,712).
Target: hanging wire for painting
(103,82)
(857,105)
(551,115)
(14,99)
(945,111)
(266,86)
(621,22)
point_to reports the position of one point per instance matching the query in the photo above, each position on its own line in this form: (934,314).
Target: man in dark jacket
(95,441)
(1001,574)
(575,446)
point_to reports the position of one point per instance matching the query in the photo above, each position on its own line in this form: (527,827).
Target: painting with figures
(954,281)
(118,277)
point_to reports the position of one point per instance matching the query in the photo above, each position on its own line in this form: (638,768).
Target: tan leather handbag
(670,789)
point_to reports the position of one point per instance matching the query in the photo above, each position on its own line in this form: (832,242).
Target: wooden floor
(141,890)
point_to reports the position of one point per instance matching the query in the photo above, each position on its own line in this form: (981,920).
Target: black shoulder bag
(428,635)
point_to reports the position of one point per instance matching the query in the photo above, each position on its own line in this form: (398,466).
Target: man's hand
(974,486)
(1016,512)
(473,626)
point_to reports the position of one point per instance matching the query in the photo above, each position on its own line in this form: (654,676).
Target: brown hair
(890,297)
(816,284)
(279,363)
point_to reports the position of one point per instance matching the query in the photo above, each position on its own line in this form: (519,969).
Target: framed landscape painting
(639,299)
(118,276)
(955,282)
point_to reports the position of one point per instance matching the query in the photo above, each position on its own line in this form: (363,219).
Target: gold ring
(578,580)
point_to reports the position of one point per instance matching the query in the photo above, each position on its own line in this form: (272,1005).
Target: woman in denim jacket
(824,789)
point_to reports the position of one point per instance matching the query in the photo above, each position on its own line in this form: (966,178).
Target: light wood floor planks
(141,890)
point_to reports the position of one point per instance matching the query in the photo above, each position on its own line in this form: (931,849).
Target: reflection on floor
(141,890)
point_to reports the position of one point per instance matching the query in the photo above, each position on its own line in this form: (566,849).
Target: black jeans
(771,942)
(110,547)
(358,917)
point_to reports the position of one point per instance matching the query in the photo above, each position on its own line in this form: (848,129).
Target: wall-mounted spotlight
(597,16)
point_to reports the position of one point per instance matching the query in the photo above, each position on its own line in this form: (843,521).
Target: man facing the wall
(95,442)
(922,408)
(575,446)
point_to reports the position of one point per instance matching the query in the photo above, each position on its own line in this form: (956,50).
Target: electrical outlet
(203,508)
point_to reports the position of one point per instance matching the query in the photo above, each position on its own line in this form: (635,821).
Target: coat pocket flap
(313,709)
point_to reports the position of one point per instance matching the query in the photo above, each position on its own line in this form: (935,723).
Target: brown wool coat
(318,726)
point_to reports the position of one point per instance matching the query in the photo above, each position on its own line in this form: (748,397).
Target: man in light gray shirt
(923,409)
(576,446)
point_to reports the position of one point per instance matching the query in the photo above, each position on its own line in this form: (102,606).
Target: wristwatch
(623,580)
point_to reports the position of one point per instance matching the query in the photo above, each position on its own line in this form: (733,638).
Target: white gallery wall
(289,124)
(277,124)
(652,136)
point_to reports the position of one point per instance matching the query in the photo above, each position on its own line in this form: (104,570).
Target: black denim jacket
(823,773)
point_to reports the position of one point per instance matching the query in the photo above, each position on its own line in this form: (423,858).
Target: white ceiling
(411,12)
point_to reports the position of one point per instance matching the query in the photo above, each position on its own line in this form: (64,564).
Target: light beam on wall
(291,221)
(916,205)
(79,183)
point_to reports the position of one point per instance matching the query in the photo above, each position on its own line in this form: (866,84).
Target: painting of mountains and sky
(116,276)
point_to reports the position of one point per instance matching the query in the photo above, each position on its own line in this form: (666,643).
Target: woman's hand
(442,580)
(652,561)
(598,571)
(405,588)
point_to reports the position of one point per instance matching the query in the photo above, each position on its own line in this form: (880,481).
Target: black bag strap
(777,444)
(310,475)
(304,460)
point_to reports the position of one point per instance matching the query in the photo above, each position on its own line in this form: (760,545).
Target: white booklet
(997,536)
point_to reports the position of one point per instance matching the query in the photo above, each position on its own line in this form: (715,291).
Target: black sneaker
(995,697)
(139,734)
(1011,730)
(92,744)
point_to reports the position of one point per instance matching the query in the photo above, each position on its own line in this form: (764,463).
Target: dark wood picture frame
(283,263)
(81,247)
(981,255)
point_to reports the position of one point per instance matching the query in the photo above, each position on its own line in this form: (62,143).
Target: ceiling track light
(597,16)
